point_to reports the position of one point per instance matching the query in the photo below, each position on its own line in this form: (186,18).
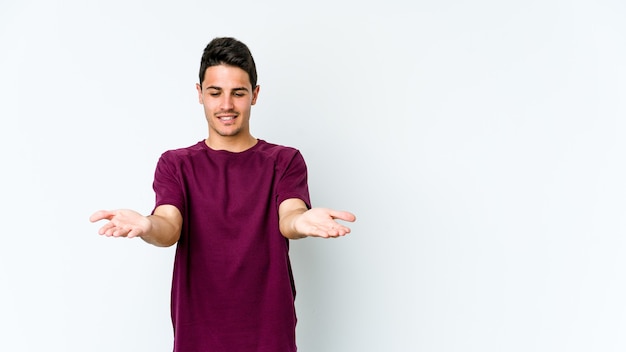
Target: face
(227,97)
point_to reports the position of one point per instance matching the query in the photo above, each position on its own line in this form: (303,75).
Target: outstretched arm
(162,228)
(296,221)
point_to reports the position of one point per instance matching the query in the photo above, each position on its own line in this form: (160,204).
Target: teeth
(226,118)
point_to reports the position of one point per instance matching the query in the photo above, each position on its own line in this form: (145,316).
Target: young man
(230,203)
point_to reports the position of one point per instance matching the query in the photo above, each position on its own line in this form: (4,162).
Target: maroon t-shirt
(232,287)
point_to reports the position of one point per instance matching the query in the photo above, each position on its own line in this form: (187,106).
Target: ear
(199,89)
(255,94)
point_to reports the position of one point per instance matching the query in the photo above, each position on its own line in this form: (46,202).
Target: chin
(230,133)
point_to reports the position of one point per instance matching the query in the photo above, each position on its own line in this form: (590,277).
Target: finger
(333,233)
(121,232)
(109,231)
(318,231)
(101,215)
(342,215)
(343,231)
(338,230)
(106,228)
(133,233)
(114,229)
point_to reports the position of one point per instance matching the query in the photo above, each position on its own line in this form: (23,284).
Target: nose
(226,103)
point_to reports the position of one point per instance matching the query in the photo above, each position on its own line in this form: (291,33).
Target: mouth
(226,118)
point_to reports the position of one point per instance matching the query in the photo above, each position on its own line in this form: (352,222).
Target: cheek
(208,109)
(245,109)
(209,104)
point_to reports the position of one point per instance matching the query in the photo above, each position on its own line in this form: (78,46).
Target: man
(230,203)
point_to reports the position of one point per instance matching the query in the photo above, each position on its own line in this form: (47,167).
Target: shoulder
(281,156)
(183,153)
(276,150)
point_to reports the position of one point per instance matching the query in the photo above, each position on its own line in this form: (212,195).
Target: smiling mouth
(226,116)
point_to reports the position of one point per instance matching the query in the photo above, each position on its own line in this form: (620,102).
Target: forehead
(225,76)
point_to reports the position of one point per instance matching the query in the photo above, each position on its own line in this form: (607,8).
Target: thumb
(343,215)
(101,215)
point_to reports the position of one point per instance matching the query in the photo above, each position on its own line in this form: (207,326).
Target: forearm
(287,224)
(162,233)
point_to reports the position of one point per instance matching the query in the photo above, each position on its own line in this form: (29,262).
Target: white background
(480,143)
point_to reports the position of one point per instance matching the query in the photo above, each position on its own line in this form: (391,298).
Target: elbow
(162,242)
(166,244)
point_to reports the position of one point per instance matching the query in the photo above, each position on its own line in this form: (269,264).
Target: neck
(231,144)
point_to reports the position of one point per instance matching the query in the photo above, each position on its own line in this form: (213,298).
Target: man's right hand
(162,228)
(122,223)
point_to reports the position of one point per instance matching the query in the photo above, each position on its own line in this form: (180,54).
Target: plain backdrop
(480,143)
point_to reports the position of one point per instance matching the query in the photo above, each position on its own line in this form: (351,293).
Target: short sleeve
(292,182)
(167,184)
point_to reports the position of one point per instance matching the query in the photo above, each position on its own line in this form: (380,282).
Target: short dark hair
(228,51)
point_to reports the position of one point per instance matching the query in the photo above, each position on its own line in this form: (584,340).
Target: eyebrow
(234,89)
